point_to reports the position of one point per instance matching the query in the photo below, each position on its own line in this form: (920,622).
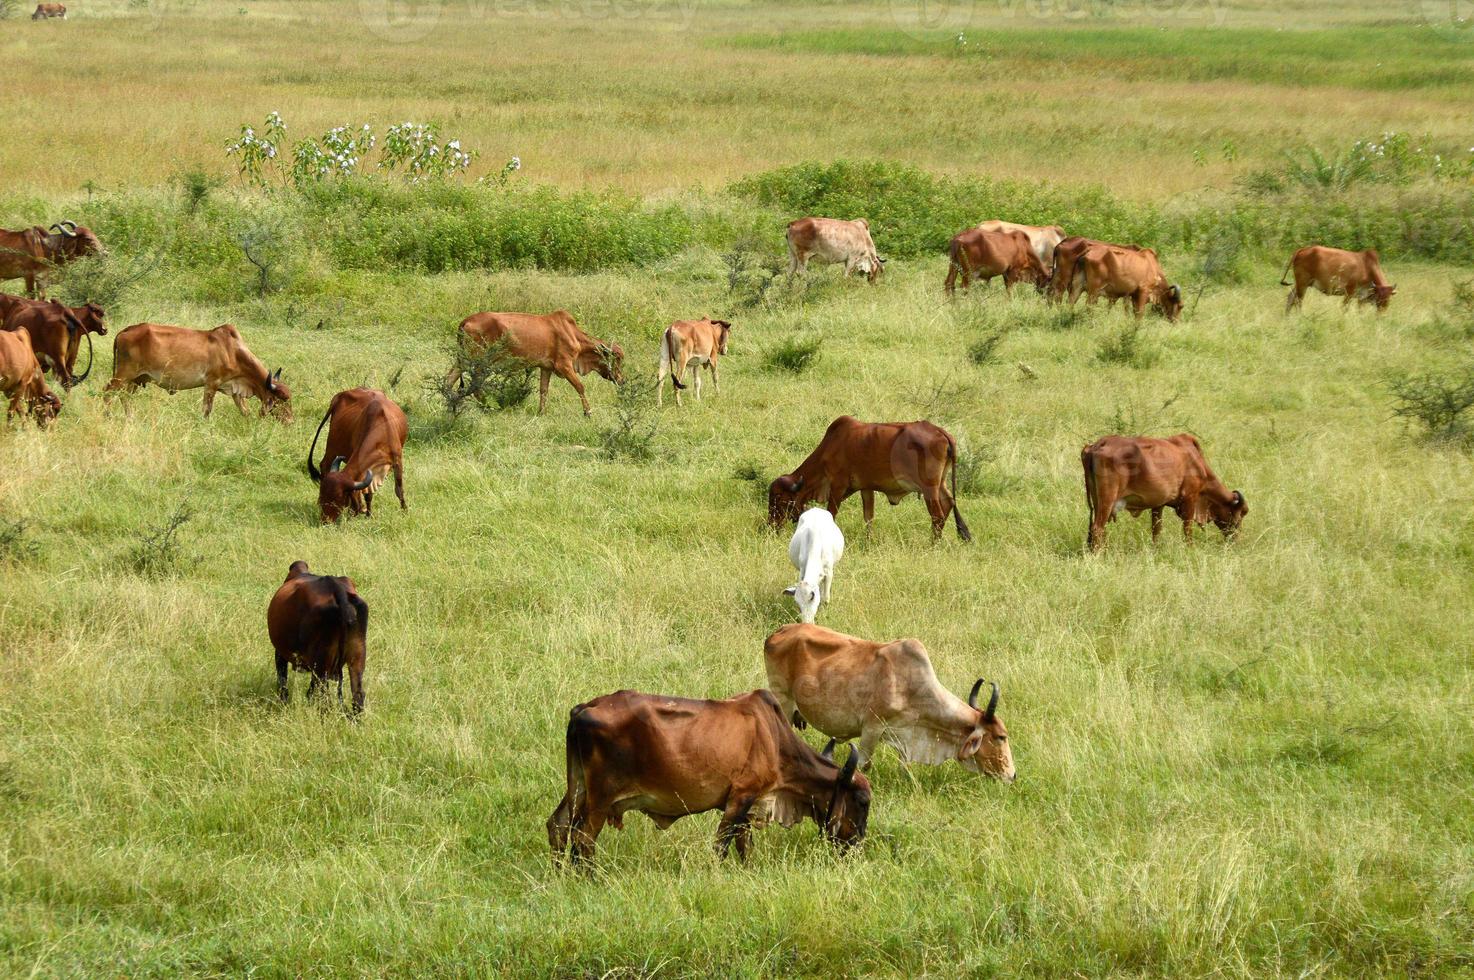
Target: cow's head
(849,805)
(338,492)
(870,266)
(1381,295)
(806,596)
(276,397)
(91,318)
(1229,514)
(986,747)
(72,241)
(1031,269)
(783,499)
(605,360)
(1169,300)
(45,406)
(723,329)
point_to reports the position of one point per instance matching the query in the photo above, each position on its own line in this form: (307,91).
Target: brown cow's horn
(337,463)
(368,477)
(848,772)
(992,705)
(828,752)
(68,228)
(972,697)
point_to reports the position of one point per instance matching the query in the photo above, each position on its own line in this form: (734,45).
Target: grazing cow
(1356,275)
(365,441)
(693,342)
(56,334)
(670,757)
(847,688)
(1042,238)
(1130,273)
(178,358)
(893,458)
(22,381)
(46,11)
(986,254)
(1138,473)
(318,623)
(816,548)
(549,341)
(828,240)
(31,253)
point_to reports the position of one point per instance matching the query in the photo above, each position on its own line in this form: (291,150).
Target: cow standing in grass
(22,381)
(1139,473)
(830,240)
(1125,273)
(815,550)
(551,342)
(179,358)
(690,343)
(1337,272)
(1043,239)
(986,254)
(56,333)
(319,624)
(365,442)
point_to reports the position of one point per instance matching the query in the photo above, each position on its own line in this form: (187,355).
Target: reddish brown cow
(48,11)
(33,252)
(22,381)
(56,334)
(318,623)
(1355,275)
(1138,473)
(178,358)
(549,341)
(1066,256)
(671,757)
(893,458)
(365,442)
(1130,273)
(986,254)
(830,240)
(1043,239)
(690,343)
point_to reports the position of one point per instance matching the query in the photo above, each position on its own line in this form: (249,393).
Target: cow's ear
(971,744)
(791,590)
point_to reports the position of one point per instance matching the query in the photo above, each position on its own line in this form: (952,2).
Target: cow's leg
(867,504)
(869,739)
(398,465)
(543,379)
(209,399)
(716,389)
(734,826)
(1186,510)
(1294,298)
(282,690)
(558,825)
(240,402)
(939,508)
(1105,504)
(585,828)
(1156,523)
(1138,303)
(571,376)
(949,284)
(696,379)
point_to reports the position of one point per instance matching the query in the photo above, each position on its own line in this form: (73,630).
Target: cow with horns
(56,333)
(365,441)
(31,253)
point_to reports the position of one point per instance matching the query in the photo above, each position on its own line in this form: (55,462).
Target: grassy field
(1249,759)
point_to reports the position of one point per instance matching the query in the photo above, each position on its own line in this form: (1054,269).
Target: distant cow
(1042,238)
(46,11)
(318,623)
(32,253)
(1118,272)
(365,441)
(892,458)
(671,757)
(1355,275)
(21,379)
(815,550)
(847,688)
(178,358)
(549,341)
(690,342)
(830,240)
(1138,473)
(56,334)
(986,254)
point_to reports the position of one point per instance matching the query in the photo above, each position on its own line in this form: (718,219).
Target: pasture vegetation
(1246,759)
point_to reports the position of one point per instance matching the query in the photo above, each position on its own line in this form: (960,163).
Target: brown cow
(1138,473)
(365,441)
(894,458)
(178,358)
(1356,275)
(21,379)
(318,623)
(1131,273)
(550,341)
(848,688)
(986,254)
(1066,256)
(56,334)
(671,757)
(690,342)
(1043,239)
(31,253)
(47,11)
(830,240)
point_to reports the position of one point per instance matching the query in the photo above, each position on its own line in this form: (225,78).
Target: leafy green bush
(1440,403)
(794,354)
(482,377)
(158,552)
(632,436)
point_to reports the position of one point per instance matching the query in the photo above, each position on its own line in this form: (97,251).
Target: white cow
(1042,238)
(827,240)
(816,548)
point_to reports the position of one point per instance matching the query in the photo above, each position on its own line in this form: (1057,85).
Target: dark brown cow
(1335,271)
(178,358)
(830,240)
(986,254)
(33,252)
(671,757)
(318,623)
(1132,273)
(549,341)
(21,379)
(48,11)
(690,342)
(56,334)
(892,458)
(1138,473)
(365,442)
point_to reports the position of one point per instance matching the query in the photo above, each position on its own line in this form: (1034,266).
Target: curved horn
(992,705)
(78,379)
(828,752)
(850,765)
(368,478)
(972,697)
(337,463)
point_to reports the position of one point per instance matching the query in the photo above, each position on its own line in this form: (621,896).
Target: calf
(1138,473)
(830,240)
(365,442)
(549,341)
(986,254)
(817,546)
(690,342)
(56,333)
(318,623)
(178,358)
(1355,275)
(21,380)
(670,757)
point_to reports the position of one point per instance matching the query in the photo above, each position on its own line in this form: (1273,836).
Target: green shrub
(985,349)
(1128,347)
(794,354)
(158,552)
(483,377)
(632,436)
(1439,403)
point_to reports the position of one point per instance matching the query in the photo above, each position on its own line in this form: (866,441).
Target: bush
(984,350)
(795,354)
(1128,347)
(632,436)
(479,377)
(751,275)
(104,279)
(158,552)
(196,186)
(1439,403)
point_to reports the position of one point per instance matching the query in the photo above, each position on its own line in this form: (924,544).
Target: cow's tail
(1087,461)
(668,360)
(962,531)
(83,376)
(346,611)
(1287,271)
(312,470)
(576,752)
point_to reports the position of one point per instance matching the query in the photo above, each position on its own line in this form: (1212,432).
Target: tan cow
(179,358)
(1126,273)
(33,252)
(551,342)
(1136,473)
(21,379)
(365,441)
(1042,238)
(986,254)
(830,240)
(1356,275)
(690,342)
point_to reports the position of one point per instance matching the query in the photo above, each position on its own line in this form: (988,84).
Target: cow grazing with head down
(319,624)
(32,253)
(671,757)
(22,381)
(365,441)
(1118,272)
(986,254)
(815,550)
(551,342)
(49,11)
(830,240)
(179,358)
(56,333)
(1138,473)
(1335,271)
(847,688)
(694,343)
(1043,239)
(892,458)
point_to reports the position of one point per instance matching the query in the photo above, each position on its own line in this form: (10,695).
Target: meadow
(1236,759)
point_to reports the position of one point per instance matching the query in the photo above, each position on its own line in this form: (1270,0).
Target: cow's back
(17,361)
(539,338)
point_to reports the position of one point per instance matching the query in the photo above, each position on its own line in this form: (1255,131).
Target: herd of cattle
(663,756)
